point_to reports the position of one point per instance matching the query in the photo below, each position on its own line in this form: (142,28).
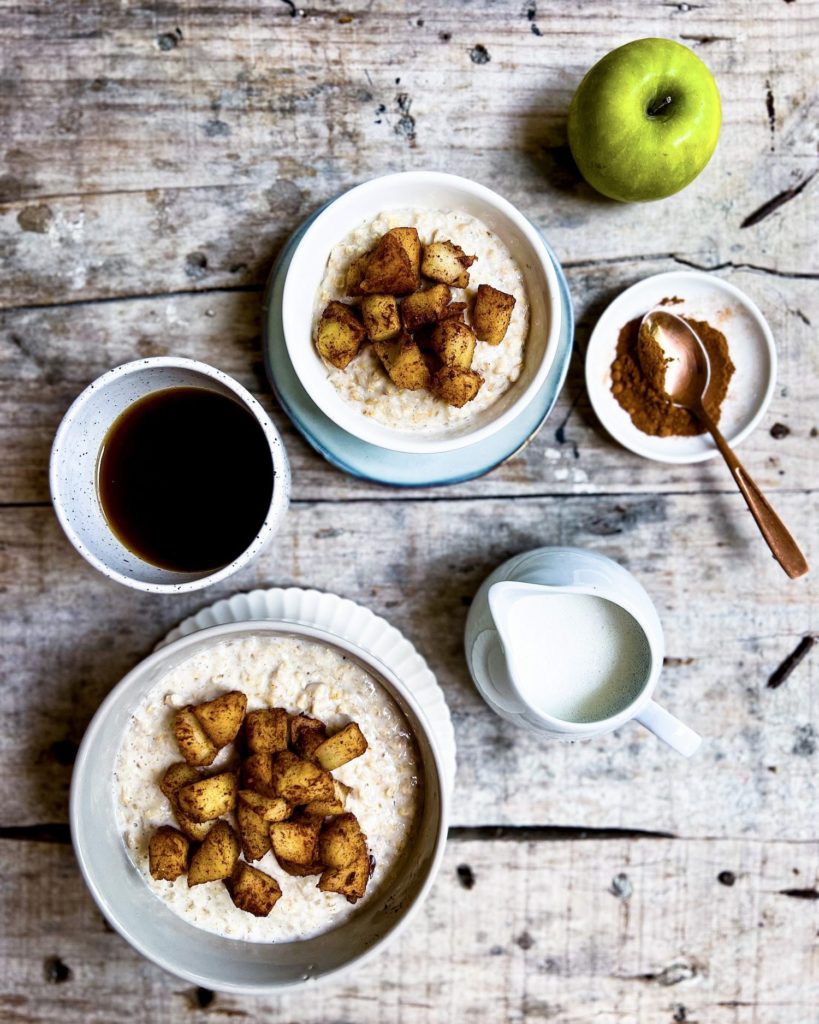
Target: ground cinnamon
(648,407)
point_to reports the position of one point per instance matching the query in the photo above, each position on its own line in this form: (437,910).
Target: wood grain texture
(71,634)
(48,355)
(637,932)
(153,159)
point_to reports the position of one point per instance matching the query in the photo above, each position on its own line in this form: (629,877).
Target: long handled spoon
(687,372)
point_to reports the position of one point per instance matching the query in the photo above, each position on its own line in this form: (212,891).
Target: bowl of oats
(259,805)
(421,312)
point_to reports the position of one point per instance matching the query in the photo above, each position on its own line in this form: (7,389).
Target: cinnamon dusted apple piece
(454,311)
(344,746)
(194,743)
(222,717)
(325,808)
(381,318)
(355,275)
(339,334)
(257,774)
(268,808)
(300,782)
(404,362)
(300,870)
(306,734)
(252,890)
(208,798)
(176,775)
(343,849)
(446,262)
(296,841)
(389,269)
(168,852)
(411,244)
(254,815)
(454,343)
(456,386)
(425,307)
(492,314)
(217,856)
(266,731)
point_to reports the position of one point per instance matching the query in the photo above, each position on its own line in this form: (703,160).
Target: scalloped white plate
(342,618)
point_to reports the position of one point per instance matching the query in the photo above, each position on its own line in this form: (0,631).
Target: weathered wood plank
(613,931)
(729,613)
(48,355)
(212,132)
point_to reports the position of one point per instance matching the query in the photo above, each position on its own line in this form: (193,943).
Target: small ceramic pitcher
(495,662)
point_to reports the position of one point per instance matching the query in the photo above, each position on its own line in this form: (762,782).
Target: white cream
(576,657)
(300,676)
(365,382)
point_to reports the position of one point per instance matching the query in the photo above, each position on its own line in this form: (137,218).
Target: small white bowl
(427,190)
(203,958)
(750,346)
(73,470)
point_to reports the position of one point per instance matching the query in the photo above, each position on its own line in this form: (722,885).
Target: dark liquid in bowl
(185,479)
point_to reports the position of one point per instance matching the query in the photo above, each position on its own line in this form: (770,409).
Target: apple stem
(658,106)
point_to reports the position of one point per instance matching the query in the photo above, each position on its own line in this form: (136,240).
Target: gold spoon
(674,359)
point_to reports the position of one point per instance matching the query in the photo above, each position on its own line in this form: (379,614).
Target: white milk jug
(567,643)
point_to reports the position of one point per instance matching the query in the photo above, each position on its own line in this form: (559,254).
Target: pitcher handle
(669,729)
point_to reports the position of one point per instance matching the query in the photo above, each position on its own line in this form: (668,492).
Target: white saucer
(750,343)
(338,616)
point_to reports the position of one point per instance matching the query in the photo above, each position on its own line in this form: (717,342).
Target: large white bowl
(232,965)
(435,191)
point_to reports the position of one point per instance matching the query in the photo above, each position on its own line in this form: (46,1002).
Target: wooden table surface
(156,155)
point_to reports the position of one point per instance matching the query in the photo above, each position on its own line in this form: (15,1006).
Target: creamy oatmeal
(364,381)
(300,676)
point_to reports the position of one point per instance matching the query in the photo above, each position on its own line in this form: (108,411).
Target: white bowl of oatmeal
(511,257)
(396,790)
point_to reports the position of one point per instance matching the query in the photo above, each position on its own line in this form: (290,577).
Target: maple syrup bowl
(167,475)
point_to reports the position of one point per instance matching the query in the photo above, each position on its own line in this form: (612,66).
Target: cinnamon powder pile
(649,409)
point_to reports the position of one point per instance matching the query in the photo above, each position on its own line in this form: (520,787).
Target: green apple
(645,120)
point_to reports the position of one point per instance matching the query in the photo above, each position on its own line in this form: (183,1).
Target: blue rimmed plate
(381,465)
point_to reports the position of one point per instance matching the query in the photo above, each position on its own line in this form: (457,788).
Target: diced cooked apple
(341,841)
(306,734)
(266,731)
(492,314)
(355,275)
(300,782)
(350,881)
(176,775)
(454,311)
(325,808)
(222,717)
(253,831)
(455,386)
(257,774)
(209,798)
(168,852)
(411,244)
(425,307)
(447,262)
(269,808)
(300,870)
(195,745)
(217,856)
(252,890)
(345,745)
(296,841)
(194,830)
(381,318)
(389,269)
(405,364)
(454,343)
(339,334)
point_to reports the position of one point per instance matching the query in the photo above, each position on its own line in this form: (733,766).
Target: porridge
(381,786)
(494,366)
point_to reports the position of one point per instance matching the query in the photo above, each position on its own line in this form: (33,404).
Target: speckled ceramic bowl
(73,470)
